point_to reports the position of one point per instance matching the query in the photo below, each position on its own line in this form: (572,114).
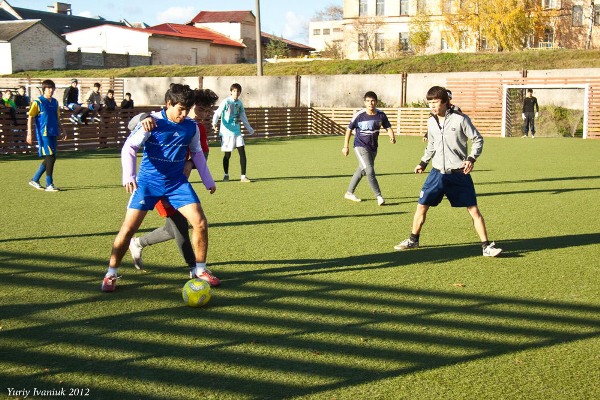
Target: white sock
(200,267)
(112,271)
(243,176)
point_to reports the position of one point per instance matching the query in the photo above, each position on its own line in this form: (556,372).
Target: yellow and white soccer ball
(196,292)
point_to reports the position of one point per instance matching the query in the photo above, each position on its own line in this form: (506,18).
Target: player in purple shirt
(366,124)
(161,177)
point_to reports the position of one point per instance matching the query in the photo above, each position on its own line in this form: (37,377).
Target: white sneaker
(406,244)
(380,200)
(491,251)
(36,185)
(136,253)
(52,188)
(352,197)
(245,179)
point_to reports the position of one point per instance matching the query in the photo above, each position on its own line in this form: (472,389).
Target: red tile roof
(221,16)
(191,32)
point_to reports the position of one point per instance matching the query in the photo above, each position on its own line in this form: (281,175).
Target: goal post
(584,86)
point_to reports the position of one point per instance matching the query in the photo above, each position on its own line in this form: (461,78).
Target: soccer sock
(200,267)
(414,238)
(485,244)
(112,271)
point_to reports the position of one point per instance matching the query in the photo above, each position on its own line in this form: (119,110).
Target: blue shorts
(46,145)
(457,187)
(71,106)
(178,194)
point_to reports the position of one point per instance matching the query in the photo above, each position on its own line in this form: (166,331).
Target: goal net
(563,110)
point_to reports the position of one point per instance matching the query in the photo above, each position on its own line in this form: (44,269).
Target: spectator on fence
(46,114)
(94,102)
(127,102)
(21,99)
(531,111)
(231,111)
(366,125)
(450,176)
(109,100)
(9,102)
(71,102)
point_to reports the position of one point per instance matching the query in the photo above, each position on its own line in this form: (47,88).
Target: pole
(259,63)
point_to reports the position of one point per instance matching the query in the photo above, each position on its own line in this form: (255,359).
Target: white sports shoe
(136,253)
(380,200)
(352,197)
(245,179)
(491,251)
(52,188)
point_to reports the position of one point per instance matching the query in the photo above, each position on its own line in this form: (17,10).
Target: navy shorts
(457,187)
(178,194)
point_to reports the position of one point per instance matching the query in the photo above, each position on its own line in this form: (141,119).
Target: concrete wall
(6,66)
(343,90)
(108,38)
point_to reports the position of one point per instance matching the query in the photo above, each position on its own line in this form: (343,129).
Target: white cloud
(296,27)
(86,14)
(176,14)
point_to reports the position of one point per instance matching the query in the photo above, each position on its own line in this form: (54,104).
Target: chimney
(60,8)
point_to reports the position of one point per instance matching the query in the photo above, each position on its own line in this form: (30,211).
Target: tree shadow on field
(301,331)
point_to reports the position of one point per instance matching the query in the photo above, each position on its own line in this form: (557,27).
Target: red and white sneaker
(109,283)
(206,275)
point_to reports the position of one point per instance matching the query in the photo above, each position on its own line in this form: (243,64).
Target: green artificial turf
(314,302)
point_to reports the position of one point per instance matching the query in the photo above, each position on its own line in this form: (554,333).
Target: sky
(286,18)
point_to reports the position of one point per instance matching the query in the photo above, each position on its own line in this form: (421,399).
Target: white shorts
(228,143)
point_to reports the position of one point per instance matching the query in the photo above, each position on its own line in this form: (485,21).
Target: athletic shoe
(52,188)
(352,197)
(491,251)
(73,119)
(380,200)
(225,178)
(109,283)
(245,179)
(532,136)
(406,244)
(79,120)
(524,136)
(136,253)
(36,185)
(97,119)
(206,275)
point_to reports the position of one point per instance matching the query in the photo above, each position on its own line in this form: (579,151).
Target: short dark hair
(110,91)
(128,94)
(529,90)
(370,95)
(438,93)
(97,85)
(21,87)
(180,94)
(236,86)
(48,83)
(205,97)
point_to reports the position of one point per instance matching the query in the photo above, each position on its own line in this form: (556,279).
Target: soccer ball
(196,292)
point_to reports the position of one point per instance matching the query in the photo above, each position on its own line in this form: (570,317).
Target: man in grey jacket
(448,131)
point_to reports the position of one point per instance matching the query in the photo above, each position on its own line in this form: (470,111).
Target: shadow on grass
(291,335)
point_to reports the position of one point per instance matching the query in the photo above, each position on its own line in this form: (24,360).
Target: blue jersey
(367,128)
(165,148)
(45,112)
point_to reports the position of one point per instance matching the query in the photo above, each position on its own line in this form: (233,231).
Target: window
(316,32)
(549,3)
(483,43)
(548,39)
(379,8)
(337,30)
(379,42)
(577,15)
(403,41)
(325,31)
(362,8)
(596,14)
(463,41)
(446,6)
(443,44)
(403,7)
(362,42)
(421,6)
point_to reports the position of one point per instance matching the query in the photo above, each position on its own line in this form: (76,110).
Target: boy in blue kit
(231,111)
(448,131)
(366,124)
(161,176)
(45,111)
